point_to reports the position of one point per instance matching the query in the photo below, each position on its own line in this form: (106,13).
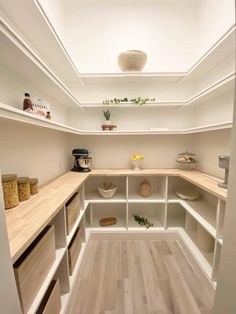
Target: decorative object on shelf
(34,188)
(107,126)
(187,194)
(143,221)
(40,106)
(107,116)
(132,60)
(224,164)
(10,191)
(108,221)
(145,188)
(48,115)
(107,190)
(186,159)
(137,100)
(23,188)
(136,161)
(27,104)
(83,160)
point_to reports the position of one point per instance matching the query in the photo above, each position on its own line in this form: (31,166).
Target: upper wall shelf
(17,56)
(11,113)
(216,89)
(219,51)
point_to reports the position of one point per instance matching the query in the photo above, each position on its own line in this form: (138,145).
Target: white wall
(114,151)
(33,151)
(160,151)
(97,31)
(208,146)
(214,19)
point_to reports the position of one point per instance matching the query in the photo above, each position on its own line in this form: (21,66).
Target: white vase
(132,60)
(136,164)
(107,122)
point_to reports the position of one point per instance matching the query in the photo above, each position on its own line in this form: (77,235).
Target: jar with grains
(10,192)
(34,188)
(23,188)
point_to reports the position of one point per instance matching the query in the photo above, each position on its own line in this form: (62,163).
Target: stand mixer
(82,161)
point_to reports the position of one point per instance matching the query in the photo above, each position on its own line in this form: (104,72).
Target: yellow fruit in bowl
(136,157)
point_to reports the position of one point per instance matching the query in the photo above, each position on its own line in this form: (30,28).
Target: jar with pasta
(23,188)
(34,188)
(10,191)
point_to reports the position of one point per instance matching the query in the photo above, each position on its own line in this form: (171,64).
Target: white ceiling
(173,33)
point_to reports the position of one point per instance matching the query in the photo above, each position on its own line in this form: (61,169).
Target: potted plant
(107,116)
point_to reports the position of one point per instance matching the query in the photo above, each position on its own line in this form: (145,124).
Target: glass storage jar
(34,189)
(23,188)
(10,191)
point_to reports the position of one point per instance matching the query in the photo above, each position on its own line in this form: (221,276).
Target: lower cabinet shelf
(153,212)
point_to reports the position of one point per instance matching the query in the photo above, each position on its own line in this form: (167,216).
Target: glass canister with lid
(186,160)
(10,191)
(34,189)
(23,188)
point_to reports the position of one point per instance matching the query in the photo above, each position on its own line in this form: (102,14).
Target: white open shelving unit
(164,209)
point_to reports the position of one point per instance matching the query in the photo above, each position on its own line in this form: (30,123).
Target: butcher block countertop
(27,220)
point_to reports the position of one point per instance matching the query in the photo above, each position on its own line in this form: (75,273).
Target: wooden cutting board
(108,221)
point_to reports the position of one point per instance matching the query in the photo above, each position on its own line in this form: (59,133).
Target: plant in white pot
(107,116)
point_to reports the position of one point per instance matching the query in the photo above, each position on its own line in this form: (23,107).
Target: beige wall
(37,152)
(208,146)
(32,151)
(160,150)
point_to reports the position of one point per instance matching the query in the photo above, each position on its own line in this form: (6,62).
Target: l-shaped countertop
(27,220)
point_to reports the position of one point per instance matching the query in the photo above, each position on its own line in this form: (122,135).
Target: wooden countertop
(27,220)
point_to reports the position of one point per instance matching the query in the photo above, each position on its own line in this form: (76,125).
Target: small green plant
(106,185)
(138,100)
(143,221)
(107,114)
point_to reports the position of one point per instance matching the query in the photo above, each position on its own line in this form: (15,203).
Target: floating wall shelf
(11,113)
(15,54)
(222,86)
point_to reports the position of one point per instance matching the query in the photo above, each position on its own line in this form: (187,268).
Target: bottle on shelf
(27,104)
(48,115)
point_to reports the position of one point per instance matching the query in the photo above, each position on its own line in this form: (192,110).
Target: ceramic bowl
(107,193)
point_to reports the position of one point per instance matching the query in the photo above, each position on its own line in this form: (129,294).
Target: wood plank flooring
(139,277)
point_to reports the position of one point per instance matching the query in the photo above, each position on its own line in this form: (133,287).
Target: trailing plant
(137,100)
(107,114)
(143,221)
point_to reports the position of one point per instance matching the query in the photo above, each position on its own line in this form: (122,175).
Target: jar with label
(10,191)
(27,104)
(23,189)
(34,189)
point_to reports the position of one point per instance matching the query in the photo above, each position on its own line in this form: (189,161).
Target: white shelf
(76,224)
(156,223)
(18,115)
(95,198)
(219,51)
(166,103)
(153,198)
(17,55)
(11,113)
(72,279)
(204,259)
(204,214)
(217,89)
(59,255)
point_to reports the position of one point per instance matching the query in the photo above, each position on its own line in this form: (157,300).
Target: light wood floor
(139,277)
